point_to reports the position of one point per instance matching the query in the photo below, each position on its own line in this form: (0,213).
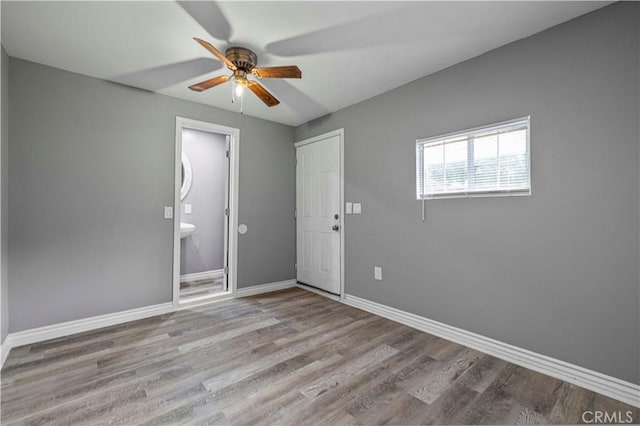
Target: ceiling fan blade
(164,76)
(209,16)
(218,54)
(208,84)
(263,94)
(288,71)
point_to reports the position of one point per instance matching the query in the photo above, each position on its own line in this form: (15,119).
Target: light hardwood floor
(286,358)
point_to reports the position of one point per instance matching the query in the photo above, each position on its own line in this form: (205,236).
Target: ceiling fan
(242,62)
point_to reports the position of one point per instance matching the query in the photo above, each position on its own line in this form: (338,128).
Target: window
(486,161)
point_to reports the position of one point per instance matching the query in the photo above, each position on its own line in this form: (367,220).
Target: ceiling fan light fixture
(238,89)
(240,78)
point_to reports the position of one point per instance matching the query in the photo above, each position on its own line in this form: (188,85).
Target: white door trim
(234,136)
(3,351)
(340,134)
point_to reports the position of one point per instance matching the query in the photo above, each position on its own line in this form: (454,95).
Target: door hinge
(295,159)
(295,214)
(227,154)
(295,266)
(226,212)
(226,269)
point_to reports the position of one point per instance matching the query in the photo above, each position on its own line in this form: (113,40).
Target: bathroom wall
(203,250)
(92,167)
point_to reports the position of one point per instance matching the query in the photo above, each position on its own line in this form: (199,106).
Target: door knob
(335,227)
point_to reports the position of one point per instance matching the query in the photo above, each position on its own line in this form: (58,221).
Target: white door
(318,213)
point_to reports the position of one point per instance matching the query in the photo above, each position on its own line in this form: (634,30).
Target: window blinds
(490,160)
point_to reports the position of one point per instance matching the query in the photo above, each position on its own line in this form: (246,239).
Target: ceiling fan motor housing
(243,59)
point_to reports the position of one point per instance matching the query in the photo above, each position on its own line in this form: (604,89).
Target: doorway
(205,212)
(320,213)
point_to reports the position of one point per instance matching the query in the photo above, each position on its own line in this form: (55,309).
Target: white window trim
(476,194)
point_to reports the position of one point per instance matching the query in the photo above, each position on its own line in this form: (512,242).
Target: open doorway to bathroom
(203,211)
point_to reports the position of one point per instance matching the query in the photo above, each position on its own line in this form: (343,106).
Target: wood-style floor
(196,289)
(285,358)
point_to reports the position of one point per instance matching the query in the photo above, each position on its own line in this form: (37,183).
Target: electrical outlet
(357,208)
(348,208)
(187,209)
(377,273)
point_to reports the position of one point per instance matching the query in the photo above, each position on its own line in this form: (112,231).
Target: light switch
(357,208)
(348,208)
(377,273)
(168,212)
(187,209)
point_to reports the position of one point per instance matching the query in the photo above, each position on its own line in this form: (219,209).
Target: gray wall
(556,272)
(203,250)
(4,167)
(91,167)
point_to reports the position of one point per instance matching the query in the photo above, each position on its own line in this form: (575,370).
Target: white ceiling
(347,51)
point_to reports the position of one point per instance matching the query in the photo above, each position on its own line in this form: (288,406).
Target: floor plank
(288,357)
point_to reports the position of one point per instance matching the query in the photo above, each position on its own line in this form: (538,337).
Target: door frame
(340,134)
(232,236)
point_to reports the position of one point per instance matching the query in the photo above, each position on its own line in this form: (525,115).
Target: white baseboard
(592,380)
(265,288)
(4,352)
(55,331)
(202,275)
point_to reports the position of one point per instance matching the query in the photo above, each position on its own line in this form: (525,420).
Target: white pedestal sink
(186,229)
